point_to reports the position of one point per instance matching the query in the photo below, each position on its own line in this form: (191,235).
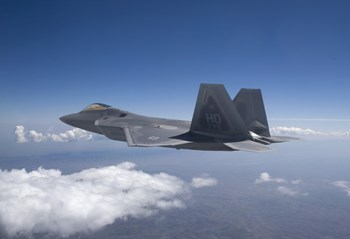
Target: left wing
(151,137)
(142,134)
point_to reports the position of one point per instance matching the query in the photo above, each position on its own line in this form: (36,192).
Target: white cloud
(36,136)
(343,185)
(298,181)
(74,134)
(311,119)
(265,177)
(295,131)
(203,182)
(280,130)
(20,134)
(45,201)
(70,135)
(290,192)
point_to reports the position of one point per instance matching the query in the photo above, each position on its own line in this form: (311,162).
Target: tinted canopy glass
(96,106)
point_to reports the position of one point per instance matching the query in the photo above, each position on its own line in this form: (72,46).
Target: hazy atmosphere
(149,57)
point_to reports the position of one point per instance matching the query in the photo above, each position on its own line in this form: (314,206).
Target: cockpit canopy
(96,106)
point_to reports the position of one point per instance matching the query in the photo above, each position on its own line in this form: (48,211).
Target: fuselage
(88,120)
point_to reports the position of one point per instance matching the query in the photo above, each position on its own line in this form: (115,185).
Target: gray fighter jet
(218,123)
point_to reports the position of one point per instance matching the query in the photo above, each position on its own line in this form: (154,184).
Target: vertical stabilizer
(249,103)
(214,115)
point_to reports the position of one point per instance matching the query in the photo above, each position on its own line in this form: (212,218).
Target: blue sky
(56,57)
(149,57)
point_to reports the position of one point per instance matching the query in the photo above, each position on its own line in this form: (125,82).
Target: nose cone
(64,118)
(85,121)
(68,119)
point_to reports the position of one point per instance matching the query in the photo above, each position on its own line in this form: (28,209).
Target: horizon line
(311,119)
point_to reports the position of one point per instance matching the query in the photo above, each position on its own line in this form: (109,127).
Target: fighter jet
(218,123)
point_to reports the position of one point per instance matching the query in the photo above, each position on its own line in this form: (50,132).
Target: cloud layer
(44,200)
(295,131)
(74,134)
(343,185)
(203,182)
(280,130)
(290,192)
(266,178)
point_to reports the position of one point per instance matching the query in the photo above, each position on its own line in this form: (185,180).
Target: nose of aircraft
(67,118)
(63,119)
(85,121)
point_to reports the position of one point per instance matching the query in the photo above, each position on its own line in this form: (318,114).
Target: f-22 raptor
(218,123)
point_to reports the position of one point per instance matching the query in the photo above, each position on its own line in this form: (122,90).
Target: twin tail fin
(215,116)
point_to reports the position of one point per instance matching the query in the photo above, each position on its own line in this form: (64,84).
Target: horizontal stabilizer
(247,145)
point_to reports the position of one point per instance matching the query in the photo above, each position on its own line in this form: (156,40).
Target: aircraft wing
(143,135)
(148,137)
